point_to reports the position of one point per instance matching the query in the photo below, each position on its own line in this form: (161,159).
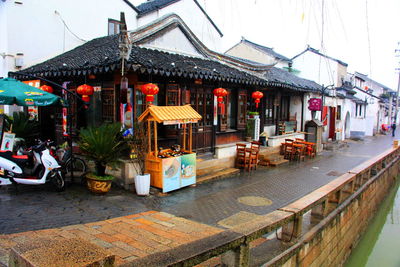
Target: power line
(368,36)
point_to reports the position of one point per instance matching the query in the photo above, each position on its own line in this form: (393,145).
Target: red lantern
(257,95)
(86,91)
(220,93)
(150,90)
(46,88)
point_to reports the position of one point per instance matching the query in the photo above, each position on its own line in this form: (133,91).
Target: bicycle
(71,167)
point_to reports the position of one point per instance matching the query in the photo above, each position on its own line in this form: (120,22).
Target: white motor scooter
(38,167)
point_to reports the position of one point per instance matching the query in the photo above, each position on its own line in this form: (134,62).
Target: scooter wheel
(58,181)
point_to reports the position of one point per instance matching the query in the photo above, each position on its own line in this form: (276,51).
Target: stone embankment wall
(331,240)
(319,229)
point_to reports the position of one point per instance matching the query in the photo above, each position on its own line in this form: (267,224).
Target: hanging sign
(315,104)
(215,121)
(65,111)
(33,110)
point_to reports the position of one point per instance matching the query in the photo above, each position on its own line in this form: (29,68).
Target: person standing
(393,128)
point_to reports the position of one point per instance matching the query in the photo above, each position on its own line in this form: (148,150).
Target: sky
(362,33)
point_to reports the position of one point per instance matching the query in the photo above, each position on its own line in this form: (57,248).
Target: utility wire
(66,26)
(368,36)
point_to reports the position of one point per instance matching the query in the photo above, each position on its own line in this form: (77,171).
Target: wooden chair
(254,152)
(300,139)
(311,149)
(255,145)
(288,149)
(299,151)
(242,156)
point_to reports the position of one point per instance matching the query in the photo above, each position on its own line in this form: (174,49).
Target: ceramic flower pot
(96,185)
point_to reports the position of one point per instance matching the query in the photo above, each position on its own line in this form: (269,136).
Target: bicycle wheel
(77,166)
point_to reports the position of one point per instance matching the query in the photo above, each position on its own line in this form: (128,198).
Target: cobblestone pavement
(127,237)
(38,207)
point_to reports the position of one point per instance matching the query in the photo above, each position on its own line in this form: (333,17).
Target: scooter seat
(19,159)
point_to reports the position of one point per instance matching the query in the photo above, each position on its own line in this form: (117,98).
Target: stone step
(279,162)
(217,175)
(207,166)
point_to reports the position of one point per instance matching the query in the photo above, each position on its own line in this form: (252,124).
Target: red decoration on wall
(325,115)
(220,93)
(86,91)
(46,88)
(315,104)
(150,90)
(257,95)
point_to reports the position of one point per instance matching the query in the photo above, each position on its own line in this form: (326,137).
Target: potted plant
(253,114)
(138,144)
(248,132)
(104,145)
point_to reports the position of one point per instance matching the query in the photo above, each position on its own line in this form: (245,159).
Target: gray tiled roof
(315,51)
(267,50)
(101,55)
(152,5)
(276,75)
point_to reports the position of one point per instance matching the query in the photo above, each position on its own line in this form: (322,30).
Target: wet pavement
(38,207)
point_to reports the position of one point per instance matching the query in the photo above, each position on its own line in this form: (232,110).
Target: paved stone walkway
(212,206)
(127,237)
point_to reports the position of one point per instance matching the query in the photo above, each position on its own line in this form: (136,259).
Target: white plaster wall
(193,17)
(347,107)
(295,108)
(4,61)
(270,130)
(47,36)
(316,68)
(372,111)
(175,41)
(248,52)
(358,124)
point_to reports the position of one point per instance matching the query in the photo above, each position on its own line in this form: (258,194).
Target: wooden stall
(175,167)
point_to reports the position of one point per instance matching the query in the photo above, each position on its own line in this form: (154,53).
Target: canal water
(380,246)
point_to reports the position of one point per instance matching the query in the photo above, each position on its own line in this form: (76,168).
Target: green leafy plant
(22,126)
(104,145)
(252,113)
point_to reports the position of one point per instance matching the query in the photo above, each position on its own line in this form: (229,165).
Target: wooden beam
(190,137)
(149,135)
(184,136)
(155,139)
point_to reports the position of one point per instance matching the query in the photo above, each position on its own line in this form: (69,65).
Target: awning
(170,114)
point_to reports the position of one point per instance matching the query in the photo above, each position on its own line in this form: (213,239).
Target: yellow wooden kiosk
(170,169)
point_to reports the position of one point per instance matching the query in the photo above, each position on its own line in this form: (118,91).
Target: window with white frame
(360,110)
(113,26)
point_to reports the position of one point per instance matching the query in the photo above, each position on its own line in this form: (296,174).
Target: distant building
(259,53)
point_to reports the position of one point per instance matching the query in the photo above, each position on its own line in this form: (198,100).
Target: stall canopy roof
(171,114)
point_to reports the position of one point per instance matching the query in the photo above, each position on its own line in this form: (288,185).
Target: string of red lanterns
(220,93)
(150,90)
(86,91)
(257,95)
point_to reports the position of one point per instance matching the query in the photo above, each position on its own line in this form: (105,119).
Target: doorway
(202,100)
(332,123)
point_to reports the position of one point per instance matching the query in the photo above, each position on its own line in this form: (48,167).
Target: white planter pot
(142,184)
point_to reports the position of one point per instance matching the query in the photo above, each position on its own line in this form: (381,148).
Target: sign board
(215,115)
(173,122)
(33,110)
(315,104)
(7,142)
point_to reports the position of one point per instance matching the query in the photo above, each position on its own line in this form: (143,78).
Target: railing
(288,222)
